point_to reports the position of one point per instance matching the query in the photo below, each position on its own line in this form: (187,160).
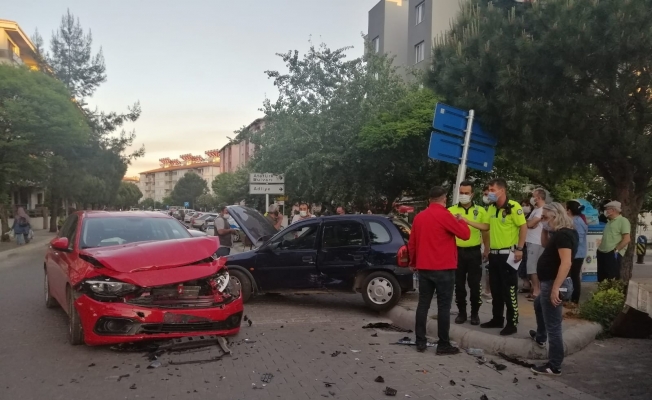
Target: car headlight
(221,281)
(109,287)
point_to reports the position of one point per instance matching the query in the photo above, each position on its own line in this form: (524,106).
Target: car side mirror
(60,243)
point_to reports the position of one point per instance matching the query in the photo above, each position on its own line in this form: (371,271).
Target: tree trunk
(4,233)
(54,214)
(632,200)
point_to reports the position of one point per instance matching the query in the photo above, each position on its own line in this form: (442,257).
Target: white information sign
(266,178)
(274,188)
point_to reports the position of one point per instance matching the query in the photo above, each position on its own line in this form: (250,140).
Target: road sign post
(461,170)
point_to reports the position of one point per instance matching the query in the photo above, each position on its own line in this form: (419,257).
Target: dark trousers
(469,267)
(522,268)
(549,319)
(443,283)
(503,280)
(608,265)
(576,277)
(223,251)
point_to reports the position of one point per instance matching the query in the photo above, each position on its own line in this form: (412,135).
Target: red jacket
(432,240)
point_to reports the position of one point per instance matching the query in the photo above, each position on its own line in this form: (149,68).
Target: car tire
(50,301)
(246,287)
(381,291)
(75,331)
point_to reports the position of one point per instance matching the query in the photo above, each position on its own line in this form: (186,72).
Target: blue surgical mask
(492,197)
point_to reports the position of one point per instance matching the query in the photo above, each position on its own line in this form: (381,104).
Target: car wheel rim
(236,282)
(380,291)
(46,287)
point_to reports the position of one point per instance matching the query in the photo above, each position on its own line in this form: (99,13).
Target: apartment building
(238,152)
(15,46)
(405,29)
(159,183)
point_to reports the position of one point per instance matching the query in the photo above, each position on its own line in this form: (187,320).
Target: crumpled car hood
(155,263)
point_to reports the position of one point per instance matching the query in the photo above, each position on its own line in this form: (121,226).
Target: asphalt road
(292,337)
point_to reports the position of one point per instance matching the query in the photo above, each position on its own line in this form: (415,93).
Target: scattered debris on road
(355,351)
(123,376)
(247,320)
(515,380)
(480,387)
(335,354)
(516,360)
(406,341)
(390,391)
(452,382)
(132,387)
(328,384)
(380,379)
(154,364)
(475,352)
(385,326)
(267,378)
(499,367)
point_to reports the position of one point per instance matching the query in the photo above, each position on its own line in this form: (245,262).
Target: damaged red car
(130,276)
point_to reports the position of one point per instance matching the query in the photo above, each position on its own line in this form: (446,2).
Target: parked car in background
(187,218)
(129,276)
(194,217)
(366,254)
(199,223)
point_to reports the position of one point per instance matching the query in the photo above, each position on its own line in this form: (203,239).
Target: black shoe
(422,347)
(475,319)
(447,350)
(533,335)
(494,323)
(546,369)
(461,318)
(508,330)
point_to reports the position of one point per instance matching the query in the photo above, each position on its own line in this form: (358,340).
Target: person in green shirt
(507,231)
(615,238)
(469,254)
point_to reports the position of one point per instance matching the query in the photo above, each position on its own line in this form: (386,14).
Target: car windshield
(253,223)
(403,227)
(112,231)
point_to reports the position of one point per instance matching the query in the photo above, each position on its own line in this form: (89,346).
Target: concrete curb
(40,241)
(575,338)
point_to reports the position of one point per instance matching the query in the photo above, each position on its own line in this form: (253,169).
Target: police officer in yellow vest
(508,229)
(469,255)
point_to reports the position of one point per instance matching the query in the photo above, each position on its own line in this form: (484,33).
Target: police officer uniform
(469,260)
(504,229)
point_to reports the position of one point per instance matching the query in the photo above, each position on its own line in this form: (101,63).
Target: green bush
(604,305)
(612,284)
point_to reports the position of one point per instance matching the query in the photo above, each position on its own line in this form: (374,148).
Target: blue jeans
(443,283)
(549,320)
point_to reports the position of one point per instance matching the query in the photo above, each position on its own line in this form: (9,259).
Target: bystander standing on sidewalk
(533,240)
(507,229)
(486,293)
(615,238)
(21,226)
(469,254)
(304,213)
(522,268)
(433,253)
(553,270)
(274,217)
(574,210)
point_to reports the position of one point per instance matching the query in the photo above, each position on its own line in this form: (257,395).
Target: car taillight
(403,257)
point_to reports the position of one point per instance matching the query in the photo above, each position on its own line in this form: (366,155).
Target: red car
(130,276)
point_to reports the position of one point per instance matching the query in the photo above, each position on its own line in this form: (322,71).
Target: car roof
(123,214)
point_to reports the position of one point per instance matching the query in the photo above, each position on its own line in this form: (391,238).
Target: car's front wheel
(241,280)
(381,291)
(75,331)
(50,302)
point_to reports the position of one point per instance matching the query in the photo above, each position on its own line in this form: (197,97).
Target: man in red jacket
(433,252)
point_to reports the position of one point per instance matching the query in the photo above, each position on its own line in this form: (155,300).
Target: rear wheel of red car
(242,280)
(75,332)
(50,302)
(381,291)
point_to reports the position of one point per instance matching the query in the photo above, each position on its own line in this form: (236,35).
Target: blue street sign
(447,145)
(186,204)
(449,149)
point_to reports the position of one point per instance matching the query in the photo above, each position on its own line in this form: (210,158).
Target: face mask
(465,199)
(492,197)
(533,201)
(485,200)
(546,226)
(527,209)
(303,213)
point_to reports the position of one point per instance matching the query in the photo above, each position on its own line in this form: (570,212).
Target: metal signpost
(462,141)
(266,183)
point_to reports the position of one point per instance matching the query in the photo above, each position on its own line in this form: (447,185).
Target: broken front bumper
(110,323)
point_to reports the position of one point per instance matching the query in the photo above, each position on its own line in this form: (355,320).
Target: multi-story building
(405,29)
(159,183)
(15,46)
(239,151)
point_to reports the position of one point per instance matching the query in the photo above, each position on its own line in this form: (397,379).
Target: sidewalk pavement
(577,333)
(41,238)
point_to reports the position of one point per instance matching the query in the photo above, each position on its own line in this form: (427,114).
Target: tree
(37,120)
(128,195)
(72,60)
(206,201)
(232,187)
(188,189)
(563,84)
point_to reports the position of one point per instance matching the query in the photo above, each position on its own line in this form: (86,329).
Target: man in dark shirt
(433,252)
(553,269)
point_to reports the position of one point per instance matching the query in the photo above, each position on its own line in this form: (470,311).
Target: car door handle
(358,258)
(307,260)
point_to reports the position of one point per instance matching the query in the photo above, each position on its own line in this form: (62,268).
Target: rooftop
(179,167)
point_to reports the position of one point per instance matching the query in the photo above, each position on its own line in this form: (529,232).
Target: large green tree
(128,195)
(232,187)
(562,84)
(188,189)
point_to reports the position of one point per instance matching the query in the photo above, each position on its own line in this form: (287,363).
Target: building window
(420,12)
(419,52)
(375,44)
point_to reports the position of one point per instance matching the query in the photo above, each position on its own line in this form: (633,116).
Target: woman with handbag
(21,226)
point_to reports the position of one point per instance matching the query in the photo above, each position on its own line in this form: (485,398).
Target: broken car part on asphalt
(390,391)
(386,326)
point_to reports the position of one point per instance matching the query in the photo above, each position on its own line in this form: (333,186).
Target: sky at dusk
(197,66)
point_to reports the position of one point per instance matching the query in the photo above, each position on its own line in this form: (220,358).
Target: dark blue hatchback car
(366,254)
